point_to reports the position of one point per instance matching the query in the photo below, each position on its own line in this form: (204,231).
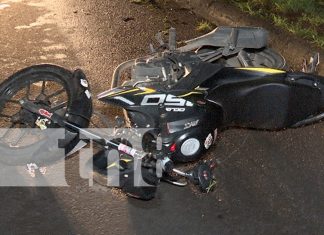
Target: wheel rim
(50,93)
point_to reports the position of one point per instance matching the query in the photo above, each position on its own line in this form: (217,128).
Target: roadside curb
(293,48)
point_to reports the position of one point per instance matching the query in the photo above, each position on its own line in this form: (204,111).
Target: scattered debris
(311,66)
(126,19)
(85,12)
(42,170)
(141,2)
(32,167)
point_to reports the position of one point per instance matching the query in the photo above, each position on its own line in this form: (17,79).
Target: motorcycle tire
(23,84)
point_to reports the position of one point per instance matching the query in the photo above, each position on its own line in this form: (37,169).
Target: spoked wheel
(24,135)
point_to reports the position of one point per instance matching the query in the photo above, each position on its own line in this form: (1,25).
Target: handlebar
(119,69)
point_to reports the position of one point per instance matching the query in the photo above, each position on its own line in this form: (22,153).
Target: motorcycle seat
(237,37)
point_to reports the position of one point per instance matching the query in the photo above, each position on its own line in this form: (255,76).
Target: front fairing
(123,96)
(145,105)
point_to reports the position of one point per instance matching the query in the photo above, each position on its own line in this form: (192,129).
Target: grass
(247,7)
(204,26)
(304,18)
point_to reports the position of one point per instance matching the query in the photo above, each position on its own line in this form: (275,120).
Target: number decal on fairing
(155,99)
(175,109)
(169,100)
(174,101)
(191,124)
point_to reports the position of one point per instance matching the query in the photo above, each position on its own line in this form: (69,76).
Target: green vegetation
(204,26)
(304,18)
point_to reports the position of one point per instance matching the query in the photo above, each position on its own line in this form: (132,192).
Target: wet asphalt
(268,182)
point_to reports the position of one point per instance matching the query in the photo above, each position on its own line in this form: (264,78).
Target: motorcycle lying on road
(185,96)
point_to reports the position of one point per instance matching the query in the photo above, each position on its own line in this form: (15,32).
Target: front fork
(200,175)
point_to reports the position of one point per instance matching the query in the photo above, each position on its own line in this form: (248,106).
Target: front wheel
(27,137)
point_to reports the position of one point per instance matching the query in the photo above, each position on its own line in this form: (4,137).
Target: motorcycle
(184,96)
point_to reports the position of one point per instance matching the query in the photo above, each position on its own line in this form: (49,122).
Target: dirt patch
(109,32)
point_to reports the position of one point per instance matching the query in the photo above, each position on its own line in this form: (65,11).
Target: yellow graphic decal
(190,93)
(123,92)
(146,91)
(264,70)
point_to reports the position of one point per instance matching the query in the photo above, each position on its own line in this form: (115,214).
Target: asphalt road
(268,182)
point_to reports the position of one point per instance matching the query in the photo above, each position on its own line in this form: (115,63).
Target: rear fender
(80,110)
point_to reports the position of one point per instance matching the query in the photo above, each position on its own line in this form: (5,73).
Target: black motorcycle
(184,97)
